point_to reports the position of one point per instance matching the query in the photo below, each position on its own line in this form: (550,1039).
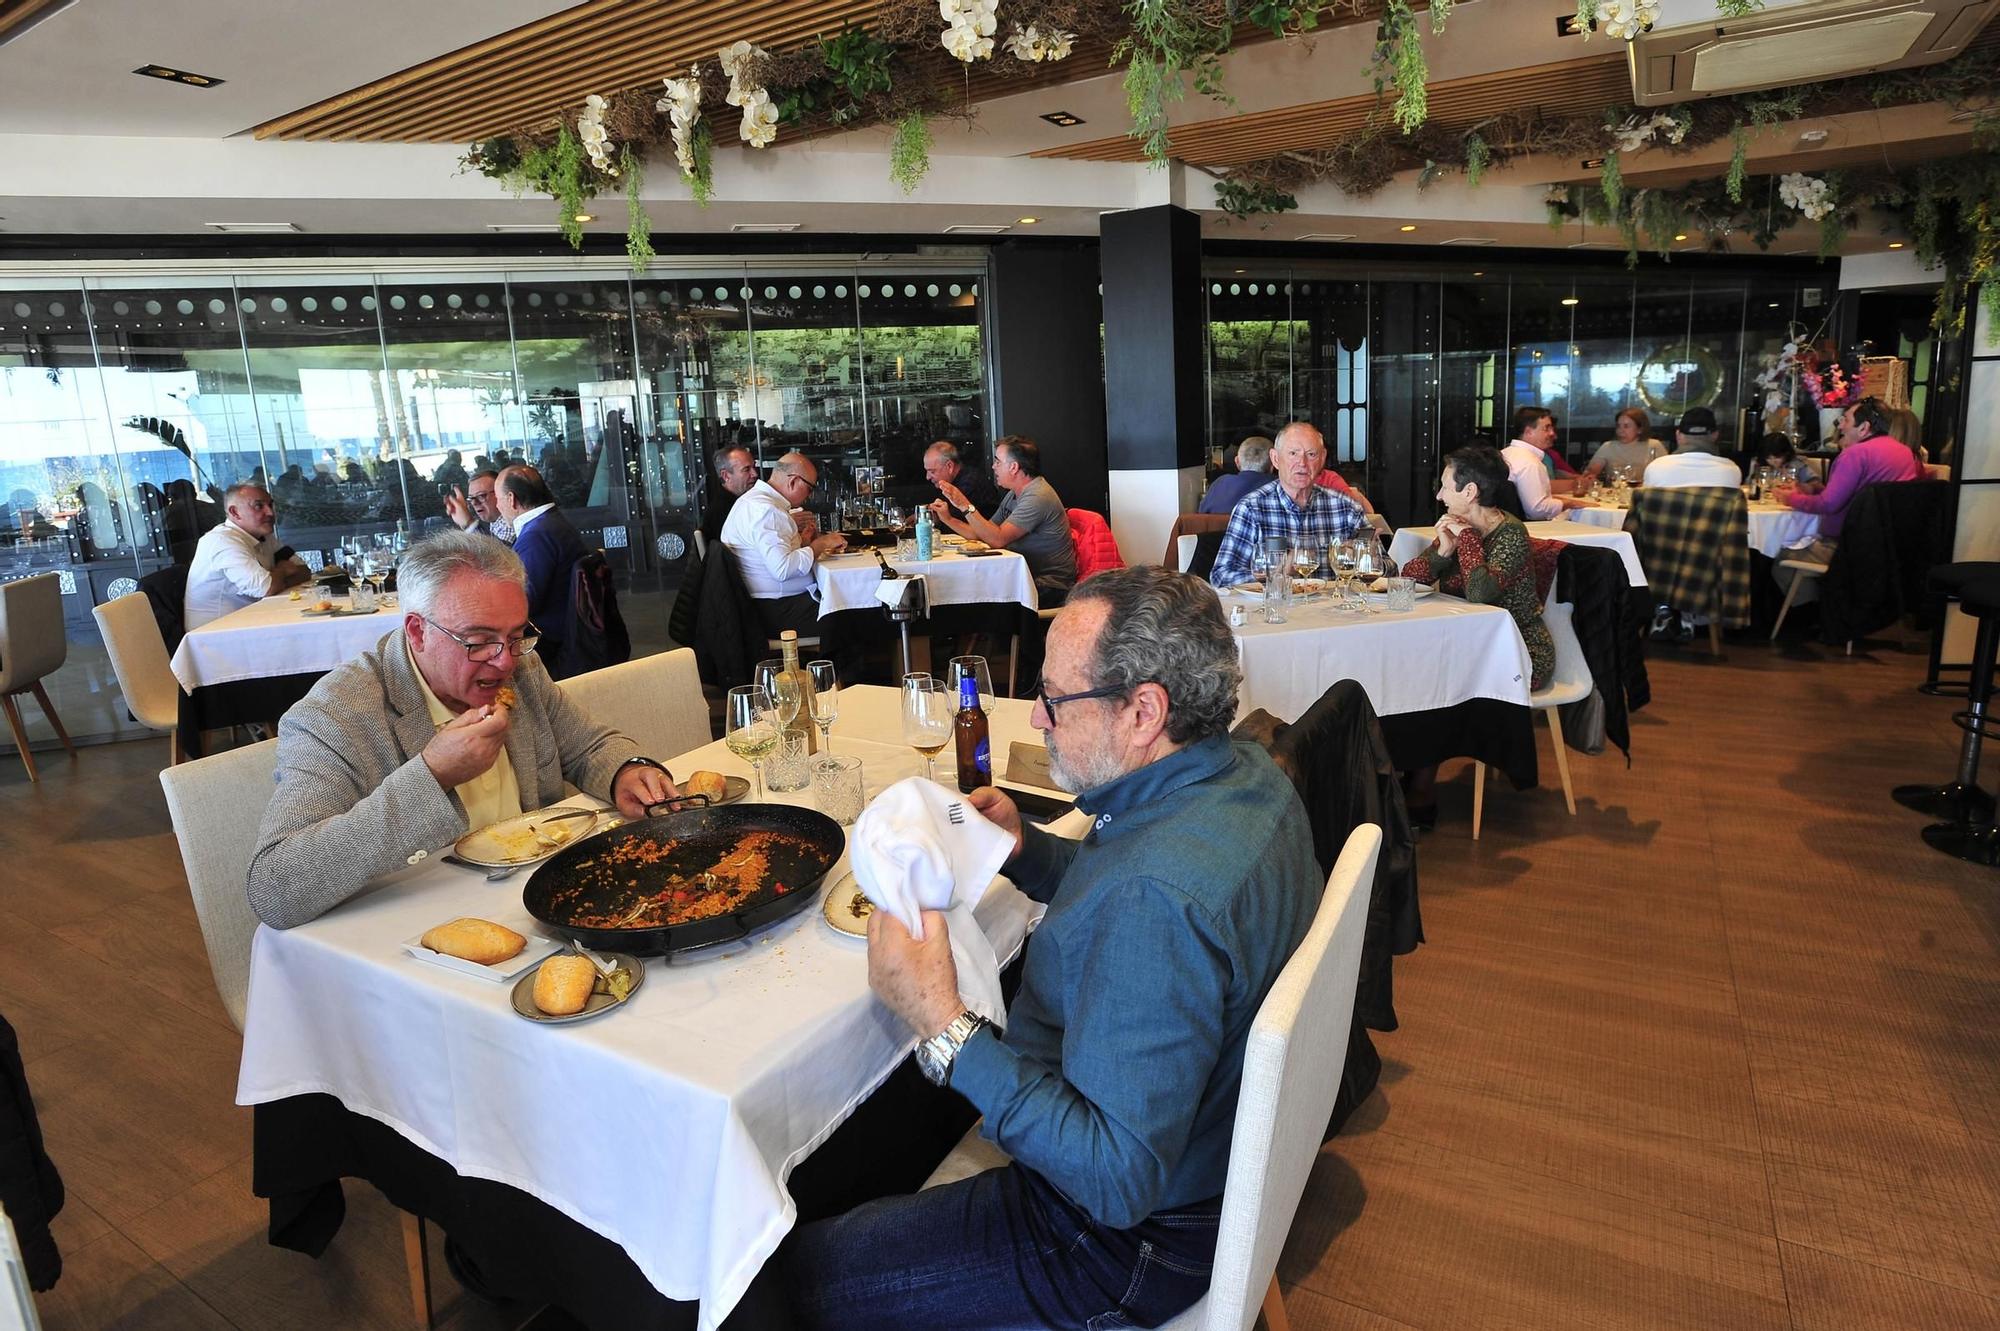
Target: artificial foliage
(910,151)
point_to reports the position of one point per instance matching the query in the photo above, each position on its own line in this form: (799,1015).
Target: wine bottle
(794,677)
(975,753)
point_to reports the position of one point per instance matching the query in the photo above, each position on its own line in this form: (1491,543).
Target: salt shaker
(1236,615)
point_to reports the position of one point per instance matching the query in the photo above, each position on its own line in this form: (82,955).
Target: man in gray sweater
(450,723)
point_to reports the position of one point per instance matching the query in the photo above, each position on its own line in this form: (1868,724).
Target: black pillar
(1047,381)
(1154,404)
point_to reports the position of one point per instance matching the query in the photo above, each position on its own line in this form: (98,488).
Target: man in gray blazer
(402,750)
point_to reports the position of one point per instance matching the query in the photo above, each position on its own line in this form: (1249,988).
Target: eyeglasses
(1049,704)
(483,650)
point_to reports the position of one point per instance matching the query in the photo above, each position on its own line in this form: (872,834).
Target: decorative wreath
(1693,378)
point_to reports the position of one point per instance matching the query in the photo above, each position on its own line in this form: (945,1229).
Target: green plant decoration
(701,180)
(1738,8)
(568,183)
(1168,38)
(1611,181)
(638,227)
(858,65)
(1281,18)
(1440,15)
(910,151)
(1399,60)
(1477,156)
(1586,17)
(1739,160)
(1243,199)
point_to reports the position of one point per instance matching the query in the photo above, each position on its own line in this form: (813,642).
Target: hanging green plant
(1739,161)
(1611,181)
(910,151)
(1283,19)
(1477,156)
(1250,198)
(701,178)
(638,227)
(1168,38)
(1399,62)
(1738,8)
(858,63)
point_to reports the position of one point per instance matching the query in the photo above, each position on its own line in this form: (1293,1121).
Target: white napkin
(922,847)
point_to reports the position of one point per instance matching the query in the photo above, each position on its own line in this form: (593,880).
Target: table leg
(416,1256)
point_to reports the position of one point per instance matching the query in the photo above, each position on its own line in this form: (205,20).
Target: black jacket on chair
(1610,617)
(30,1189)
(1894,534)
(729,641)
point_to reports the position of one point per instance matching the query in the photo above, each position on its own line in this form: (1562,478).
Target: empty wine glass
(826,701)
(782,689)
(927,718)
(961,666)
(753,729)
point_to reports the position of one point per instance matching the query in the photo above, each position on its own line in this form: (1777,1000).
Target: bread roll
(562,985)
(473,939)
(710,784)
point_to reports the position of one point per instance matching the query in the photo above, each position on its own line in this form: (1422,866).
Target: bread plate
(513,842)
(537,950)
(845,908)
(523,993)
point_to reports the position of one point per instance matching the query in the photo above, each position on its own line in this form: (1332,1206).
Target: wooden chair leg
(1562,758)
(1786,608)
(416,1256)
(1013,662)
(1478,796)
(1275,1318)
(174,753)
(55,722)
(1714,635)
(20,735)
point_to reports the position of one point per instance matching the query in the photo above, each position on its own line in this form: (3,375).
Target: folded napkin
(922,847)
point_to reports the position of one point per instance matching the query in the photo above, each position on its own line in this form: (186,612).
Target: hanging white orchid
(590,130)
(1626,19)
(682,105)
(1809,194)
(1032,45)
(736,60)
(1637,132)
(970,25)
(760,119)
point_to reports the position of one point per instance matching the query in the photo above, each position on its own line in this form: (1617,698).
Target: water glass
(1402,594)
(1277,595)
(839,791)
(361,596)
(788,767)
(906,549)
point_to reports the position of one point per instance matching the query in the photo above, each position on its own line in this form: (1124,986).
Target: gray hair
(728,451)
(241,488)
(945,449)
(1304,430)
(1166,628)
(1253,454)
(430,565)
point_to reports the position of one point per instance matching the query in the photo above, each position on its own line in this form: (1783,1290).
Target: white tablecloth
(1774,528)
(1412,541)
(1443,653)
(669,1127)
(848,582)
(272,638)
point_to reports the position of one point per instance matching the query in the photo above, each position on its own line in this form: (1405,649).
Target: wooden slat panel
(16,13)
(1567,87)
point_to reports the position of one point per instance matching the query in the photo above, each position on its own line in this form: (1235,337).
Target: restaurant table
(1774,528)
(1413,541)
(1447,679)
(848,581)
(254,663)
(668,1128)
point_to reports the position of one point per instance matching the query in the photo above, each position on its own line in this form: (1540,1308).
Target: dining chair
(216,805)
(33,646)
(657,700)
(1291,1076)
(1572,683)
(139,660)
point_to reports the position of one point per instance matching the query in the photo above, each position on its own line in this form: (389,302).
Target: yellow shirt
(492,795)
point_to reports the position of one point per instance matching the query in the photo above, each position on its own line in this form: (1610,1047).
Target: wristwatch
(935,1055)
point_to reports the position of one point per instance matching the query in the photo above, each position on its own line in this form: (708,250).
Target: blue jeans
(1003,1249)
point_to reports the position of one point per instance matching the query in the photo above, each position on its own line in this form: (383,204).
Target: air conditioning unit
(1691,51)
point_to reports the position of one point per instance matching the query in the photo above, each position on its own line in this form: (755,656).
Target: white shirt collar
(521,523)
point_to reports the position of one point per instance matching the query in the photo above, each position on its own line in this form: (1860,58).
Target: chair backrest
(656,700)
(33,644)
(700,543)
(1184,548)
(1291,1076)
(1572,670)
(166,591)
(217,804)
(139,659)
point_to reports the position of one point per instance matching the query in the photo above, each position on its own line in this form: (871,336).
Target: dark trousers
(800,613)
(1002,1249)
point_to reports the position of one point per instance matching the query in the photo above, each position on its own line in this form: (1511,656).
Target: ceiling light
(976,228)
(1479,272)
(177,76)
(1569,300)
(1062,118)
(763,228)
(1680,235)
(1027,221)
(1241,271)
(1895,244)
(1812,136)
(1774,304)
(1407,226)
(251,226)
(584,217)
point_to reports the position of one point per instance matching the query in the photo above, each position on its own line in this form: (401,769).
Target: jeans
(1003,1249)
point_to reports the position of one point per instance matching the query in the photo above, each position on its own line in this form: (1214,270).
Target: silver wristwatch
(935,1055)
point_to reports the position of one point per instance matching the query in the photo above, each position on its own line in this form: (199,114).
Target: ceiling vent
(1328,235)
(976,229)
(1693,52)
(252,228)
(763,228)
(1471,240)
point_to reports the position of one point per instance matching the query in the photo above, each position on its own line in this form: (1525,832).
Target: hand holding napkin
(922,847)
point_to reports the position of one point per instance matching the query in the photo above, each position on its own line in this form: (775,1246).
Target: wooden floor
(1721,1051)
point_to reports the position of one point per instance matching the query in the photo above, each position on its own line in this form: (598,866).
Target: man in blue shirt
(1114,1085)
(1253,472)
(1295,511)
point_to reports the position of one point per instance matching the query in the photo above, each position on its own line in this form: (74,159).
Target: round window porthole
(587,297)
(534,298)
(483,301)
(184,306)
(955,289)
(1214,289)
(1305,288)
(308,304)
(279,305)
(216,307)
(770,293)
(339,304)
(426,301)
(22,309)
(841,292)
(120,307)
(247,305)
(562,299)
(744,293)
(152,307)
(1235,289)
(455,301)
(931,290)
(794,292)
(641,296)
(396,302)
(367,302)
(909,288)
(866,292)
(694,293)
(671,545)
(819,293)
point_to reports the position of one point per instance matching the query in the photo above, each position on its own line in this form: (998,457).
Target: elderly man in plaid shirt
(1294,510)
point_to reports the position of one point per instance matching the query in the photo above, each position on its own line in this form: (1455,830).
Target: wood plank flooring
(1720,1051)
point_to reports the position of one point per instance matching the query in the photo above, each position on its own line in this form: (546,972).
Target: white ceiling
(72,73)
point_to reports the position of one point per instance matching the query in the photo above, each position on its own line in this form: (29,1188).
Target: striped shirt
(1271,513)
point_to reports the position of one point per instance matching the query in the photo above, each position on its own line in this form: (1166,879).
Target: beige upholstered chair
(657,700)
(1571,684)
(216,804)
(33,646)
(1291,1076)
(139,659)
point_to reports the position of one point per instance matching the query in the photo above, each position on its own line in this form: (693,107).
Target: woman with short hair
(1628,454)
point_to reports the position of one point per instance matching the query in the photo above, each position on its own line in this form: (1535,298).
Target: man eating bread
(448,724)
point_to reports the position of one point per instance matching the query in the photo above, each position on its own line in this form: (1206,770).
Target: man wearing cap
(1695,461)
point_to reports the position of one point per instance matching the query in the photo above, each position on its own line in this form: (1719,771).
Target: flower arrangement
(1620,19)
(1830,380)
(1809,194)
(682,106)
(591,133)
(969,27)
(760,115)
(1032,45)
(1635,132)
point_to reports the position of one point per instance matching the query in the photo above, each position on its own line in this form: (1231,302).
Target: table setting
(959,572)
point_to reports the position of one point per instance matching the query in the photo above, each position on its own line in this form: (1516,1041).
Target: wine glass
(927,718)
(1304,560)
(826,701)
(782,690)
(975,666)
(753,729)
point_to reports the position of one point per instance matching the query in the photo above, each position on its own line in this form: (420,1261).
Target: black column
(1047,375)
(1154,402)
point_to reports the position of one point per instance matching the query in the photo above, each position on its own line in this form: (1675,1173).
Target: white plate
(537,949)
(511,842)
(838,908)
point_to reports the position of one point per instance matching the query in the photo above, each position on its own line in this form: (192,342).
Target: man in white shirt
(1534,432)
(774,556)
(1695,462)
(240,562)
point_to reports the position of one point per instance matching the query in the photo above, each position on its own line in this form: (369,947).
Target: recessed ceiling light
(1062,118)
(584,217)
(1242,270)
(1680,235)
(763,228)
(1895,244)
(1774,304)
(1027,221)
(1569,300)
(1407,226)
(251,226)
(1812,136)
(177,76)
(1479,272)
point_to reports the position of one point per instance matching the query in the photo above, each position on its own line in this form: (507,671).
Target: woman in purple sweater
(1874,456)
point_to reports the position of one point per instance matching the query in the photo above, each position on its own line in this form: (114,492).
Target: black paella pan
(591,882)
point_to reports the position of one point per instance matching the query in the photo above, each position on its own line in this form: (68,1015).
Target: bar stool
(1961,800)
(1970,834)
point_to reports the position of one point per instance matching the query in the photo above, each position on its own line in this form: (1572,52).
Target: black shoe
(466,1272)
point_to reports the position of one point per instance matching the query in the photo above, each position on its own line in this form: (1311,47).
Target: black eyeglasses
(1049,704)
(483,650)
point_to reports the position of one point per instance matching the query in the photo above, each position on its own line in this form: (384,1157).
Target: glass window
(923,362)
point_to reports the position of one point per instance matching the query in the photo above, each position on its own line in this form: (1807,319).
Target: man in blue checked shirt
(1295,509)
